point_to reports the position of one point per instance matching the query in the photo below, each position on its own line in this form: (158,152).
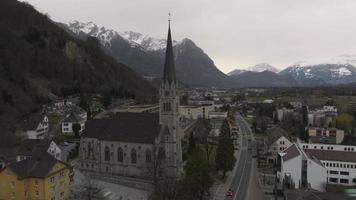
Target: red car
(229,193)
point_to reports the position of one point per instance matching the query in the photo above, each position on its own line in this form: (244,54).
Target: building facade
(40,177)
(129,143)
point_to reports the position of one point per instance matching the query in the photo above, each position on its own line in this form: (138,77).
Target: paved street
(241,177)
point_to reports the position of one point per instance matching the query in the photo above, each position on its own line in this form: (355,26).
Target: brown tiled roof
(290,152)
(274,134)
(342,156)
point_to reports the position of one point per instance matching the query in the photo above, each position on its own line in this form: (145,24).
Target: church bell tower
(170,133)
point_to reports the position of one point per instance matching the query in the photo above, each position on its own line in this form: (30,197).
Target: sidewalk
(219,189)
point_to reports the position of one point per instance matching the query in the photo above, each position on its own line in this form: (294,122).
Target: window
(321,147)
(333,172)
(148,156)
(61,174)
(37,193)
(344,173)
(62,194)
(51,180)
(120,155)
(133,156)
(107,154)
(12,184)
(342,180)
(13,195)
(53,189)
(333,180)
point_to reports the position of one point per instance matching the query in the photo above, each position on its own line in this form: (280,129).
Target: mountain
(263,79)
(39,60)
(145,55)
(339,70)
(263,67)
(236,72)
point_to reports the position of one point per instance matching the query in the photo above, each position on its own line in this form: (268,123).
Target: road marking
(242,173)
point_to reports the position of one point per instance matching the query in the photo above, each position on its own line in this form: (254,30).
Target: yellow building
(40,177)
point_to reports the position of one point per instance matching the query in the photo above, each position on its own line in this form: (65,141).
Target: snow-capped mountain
(263,67)
(145,41)
(336,70)
(145,54)
(105,36)
(89,28)
(236,72)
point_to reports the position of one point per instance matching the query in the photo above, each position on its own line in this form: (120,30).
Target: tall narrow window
(133,156)
(120,155)
(107,154)
(148,156)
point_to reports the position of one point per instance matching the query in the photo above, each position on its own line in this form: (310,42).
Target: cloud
(235,33)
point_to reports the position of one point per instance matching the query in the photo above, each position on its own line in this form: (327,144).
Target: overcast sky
(234,33)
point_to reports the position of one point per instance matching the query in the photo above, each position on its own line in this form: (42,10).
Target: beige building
(326,135)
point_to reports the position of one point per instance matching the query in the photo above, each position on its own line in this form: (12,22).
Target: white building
(283,112)
(277,142)
(196,111)
(299,170)
(36,126)
(67,123)
(339,160)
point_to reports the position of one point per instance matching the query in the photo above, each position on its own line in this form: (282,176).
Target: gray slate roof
(73,118)
(30,146)
(331,155)
(125,127)
(35,167)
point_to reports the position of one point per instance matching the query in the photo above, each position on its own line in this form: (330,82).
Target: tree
(76,128)
(106,99)
(197,177)
(155,167)
(191,142)
(344,121)
(225,159)
(87,190)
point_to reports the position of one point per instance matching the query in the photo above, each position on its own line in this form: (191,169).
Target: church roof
(125,127)
(169,74)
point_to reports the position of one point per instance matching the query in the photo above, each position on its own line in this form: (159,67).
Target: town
(88,113)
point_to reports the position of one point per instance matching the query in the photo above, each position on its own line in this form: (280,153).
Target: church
(129,144)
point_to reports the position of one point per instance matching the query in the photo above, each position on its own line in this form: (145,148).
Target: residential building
(35,126)
(196,111)
(39,177)
(126,144)
(300,170)
(283,112)
(69,121)
(32,147)
(326,135)
(277,141)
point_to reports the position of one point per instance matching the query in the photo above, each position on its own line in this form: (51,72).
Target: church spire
(169,74)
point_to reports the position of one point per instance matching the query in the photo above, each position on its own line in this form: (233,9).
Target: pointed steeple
(169,73)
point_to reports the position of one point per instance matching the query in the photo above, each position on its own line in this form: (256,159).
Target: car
(229,193)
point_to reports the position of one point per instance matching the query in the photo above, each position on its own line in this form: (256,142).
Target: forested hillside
(39,59)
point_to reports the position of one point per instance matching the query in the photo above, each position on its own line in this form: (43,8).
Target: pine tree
(197,178)
(191,142)
(225,158)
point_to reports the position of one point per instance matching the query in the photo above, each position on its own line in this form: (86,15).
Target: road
(241,177)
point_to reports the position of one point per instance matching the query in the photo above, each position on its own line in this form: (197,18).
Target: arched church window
(120,155)
(133,156)
(148,156)
(107,153)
